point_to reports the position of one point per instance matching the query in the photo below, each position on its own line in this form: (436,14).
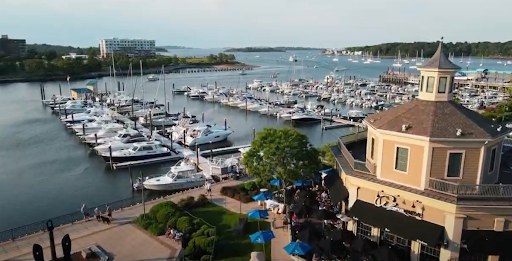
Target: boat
(153,78)
(378,57)
(316,66)
(138,151)
(152,114)
(181,176)
(398,61)
(273,75)
(56,100)
(305,117)
(207,134)
(292,58)
(335,59)
(243,72)
(481,61)
(121,142)
(71,109)
(269,110)
(107,134)
(89,114)
(183,89)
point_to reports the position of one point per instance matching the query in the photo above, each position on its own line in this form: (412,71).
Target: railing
(470,190)
(350,138)
(70,218)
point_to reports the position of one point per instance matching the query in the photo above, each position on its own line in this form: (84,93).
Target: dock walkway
(89,231)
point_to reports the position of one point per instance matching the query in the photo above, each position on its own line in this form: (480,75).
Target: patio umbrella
(300,183)
(384,253)
(262,237)
(257,214)
(324,214)
(271,203)
(276,182)
(297,248)
(262,196)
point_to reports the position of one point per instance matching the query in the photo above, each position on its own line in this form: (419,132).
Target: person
(97,214)
(85,212)
(208,188)
(109,212)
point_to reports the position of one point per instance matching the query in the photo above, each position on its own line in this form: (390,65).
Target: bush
(163,205)
(201,201)
(144,222)
(201,231)
(186,203)
(157,229)
(210,232)
(185,225)
(206,258)
(164,215)
(249,186)
(172,222)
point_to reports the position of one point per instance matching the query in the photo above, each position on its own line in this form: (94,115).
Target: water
(45,170)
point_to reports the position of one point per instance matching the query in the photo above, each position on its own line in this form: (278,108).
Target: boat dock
(223,151)
(336,123)
(137,163)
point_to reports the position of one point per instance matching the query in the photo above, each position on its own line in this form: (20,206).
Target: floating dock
(223,151)
(147,162)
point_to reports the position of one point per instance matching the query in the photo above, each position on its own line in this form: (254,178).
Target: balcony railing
(347,139)
(470,190)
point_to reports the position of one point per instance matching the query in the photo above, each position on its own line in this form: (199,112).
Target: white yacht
(207,133)
(56,100)
(106,135)
(304,117)
(183,89)
(91,113)
(256,84)
(181,176)
(335,59)
(120,143)
(152,114)
(72,108)
(153,78)
(243,72)
(139,151)
(256,106)
(269,110)
(95,126)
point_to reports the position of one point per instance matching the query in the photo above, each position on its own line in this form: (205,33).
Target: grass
(230,247)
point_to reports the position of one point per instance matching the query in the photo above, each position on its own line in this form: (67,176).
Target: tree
(283,153)
(50,55)
(326,155)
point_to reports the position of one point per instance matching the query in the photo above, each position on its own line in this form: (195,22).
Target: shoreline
(95,75)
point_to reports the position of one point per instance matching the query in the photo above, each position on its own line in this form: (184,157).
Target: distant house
(74,56)
(78,93)
(92,85)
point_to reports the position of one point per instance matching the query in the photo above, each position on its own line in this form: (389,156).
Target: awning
(486,242)
(337,190)
(397,223)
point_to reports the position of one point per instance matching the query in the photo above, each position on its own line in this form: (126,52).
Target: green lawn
(230,247)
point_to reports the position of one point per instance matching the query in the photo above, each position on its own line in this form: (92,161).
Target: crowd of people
(173,233)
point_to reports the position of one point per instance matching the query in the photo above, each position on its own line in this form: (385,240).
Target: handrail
(470,190)
(357,165)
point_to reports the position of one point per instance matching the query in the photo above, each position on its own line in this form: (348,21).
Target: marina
(85,178)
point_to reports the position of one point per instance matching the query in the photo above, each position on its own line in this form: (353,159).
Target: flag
(68,78)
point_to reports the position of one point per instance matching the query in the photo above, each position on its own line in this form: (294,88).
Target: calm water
(45,171)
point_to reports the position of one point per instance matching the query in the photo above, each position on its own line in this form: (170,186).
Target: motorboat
(67,103)
(256,84)
(106,135)
(184,89)
(153,78)
(181,176)
(269,110)
(117,143)
(256,106)
(207,134)
(90,113)
(72,109)
(92,127)
(152,114)
(243,72)
(138,151)
(305,117)
(195,94)
(57,99)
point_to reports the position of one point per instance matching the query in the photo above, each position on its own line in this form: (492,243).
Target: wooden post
(168,107)
(246,106)
(106,90)
(225,124)
(65,112)
(211,151)
(184,135)
(131,179)
(184,112)
(151,124)
(197,158)
(143,201)
(331,118)
(171,140)
(96,138)
(72,117)
(214,96)
(60,90)
(110,156)
(253,134)
(83,128)
(202,117)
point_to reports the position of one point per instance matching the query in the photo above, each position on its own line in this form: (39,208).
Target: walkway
(84,234)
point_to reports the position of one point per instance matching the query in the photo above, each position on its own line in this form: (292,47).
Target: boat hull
(306,120)
(120,159)
(201,141)
(175,186)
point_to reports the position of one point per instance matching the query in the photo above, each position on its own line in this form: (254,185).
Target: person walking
(85,212)
(208,188)
(97,214)
(109,212)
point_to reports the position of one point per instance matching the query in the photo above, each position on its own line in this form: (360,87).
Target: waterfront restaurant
(425,176)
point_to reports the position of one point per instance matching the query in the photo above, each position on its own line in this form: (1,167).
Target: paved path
(84,234)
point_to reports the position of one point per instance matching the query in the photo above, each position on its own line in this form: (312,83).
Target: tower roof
(439,61)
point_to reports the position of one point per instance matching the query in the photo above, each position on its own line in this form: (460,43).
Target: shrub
(157,229)
(144,222)
(163,205)
(172,222)
(250,185)
(246,198)
(201,201)
(164,215)
(186,203)
(210,232)
(206,258)
(201,231)
(185,225)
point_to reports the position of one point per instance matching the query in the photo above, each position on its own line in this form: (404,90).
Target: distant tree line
(486,49)
(51,63)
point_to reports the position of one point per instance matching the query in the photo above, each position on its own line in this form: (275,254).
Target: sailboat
(421,59)
(469,60)
(482,61)
(406,61)
(462,58)
(378,57)
(398,61)
(415,59)
(350,58)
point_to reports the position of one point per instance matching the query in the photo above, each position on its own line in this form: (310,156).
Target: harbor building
(13,47)
(425,177)
(130,47)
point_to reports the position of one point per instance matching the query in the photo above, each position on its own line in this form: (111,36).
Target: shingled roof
(439,61)
(439,119)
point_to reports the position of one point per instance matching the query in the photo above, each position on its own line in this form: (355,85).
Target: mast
(165,94)
(113,67)
(142,85)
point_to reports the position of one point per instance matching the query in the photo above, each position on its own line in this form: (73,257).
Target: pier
(223,151)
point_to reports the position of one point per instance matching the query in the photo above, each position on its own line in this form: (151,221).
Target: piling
(168,110)
(44,93)
(96,139)
(173,87)
(202,117)
(151,124)
(184,135)
(171,140)
(110,156)
(118,86)
(72,117)
(213,96)
(41,92)
(245,106)
(60,90)
(184,111)
(253,134)
(83,128)
(143,202)
(225,124)
(215,84)
(106,90)
(197,158)
(123,86)
(131,179)
(211,151)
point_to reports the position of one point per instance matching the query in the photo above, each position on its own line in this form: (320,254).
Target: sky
(241,23)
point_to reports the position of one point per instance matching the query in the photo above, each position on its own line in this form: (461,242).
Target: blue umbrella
(297,248)
(262,237)
(276,182)
(257,214)
(301,183)
(262,196)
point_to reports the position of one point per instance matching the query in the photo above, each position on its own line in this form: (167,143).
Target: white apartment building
(130,47)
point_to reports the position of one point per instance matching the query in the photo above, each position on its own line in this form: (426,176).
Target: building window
(442,85)
(421,83)
(430,84)
(429,253)
(396,240)
(401,159)
(363,230)
(493,160)
(372,148)
(455,164)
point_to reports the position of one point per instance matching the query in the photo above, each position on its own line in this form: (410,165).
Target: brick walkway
(125,241)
